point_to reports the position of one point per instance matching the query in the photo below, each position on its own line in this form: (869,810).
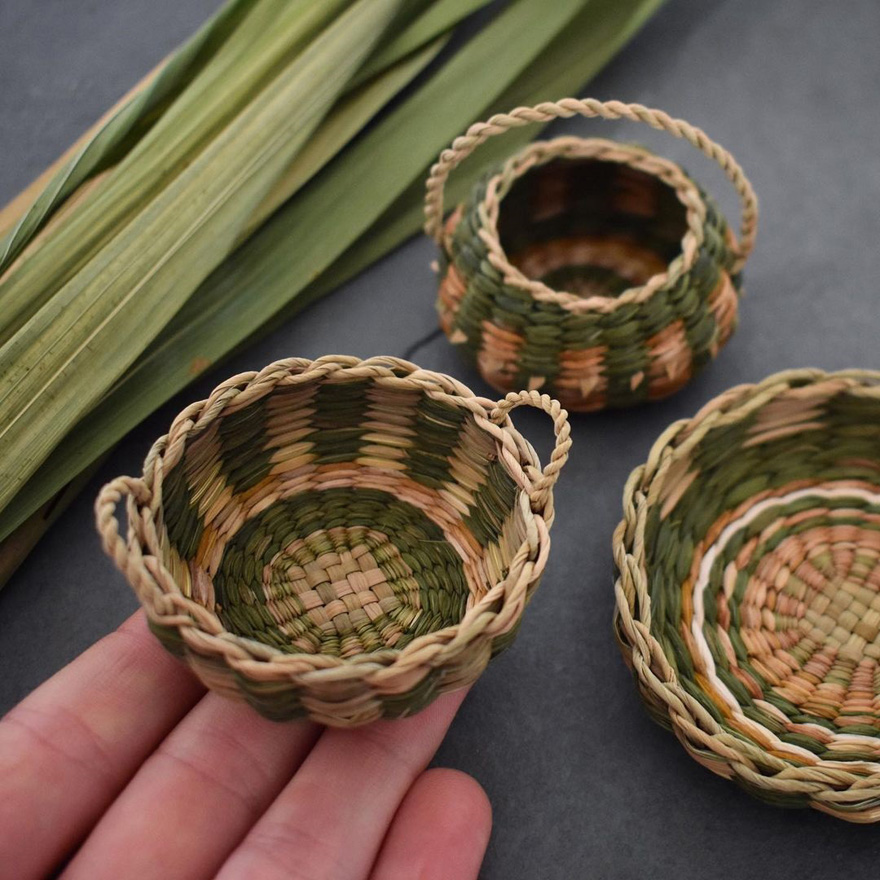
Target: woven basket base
(342,572)
(798,576)
(590,265)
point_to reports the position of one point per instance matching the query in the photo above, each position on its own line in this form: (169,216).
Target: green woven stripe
(481,280)
(627,355)
(340,409)
(244,460)
(539,354)
(492,505)
(240,597)
(438,433)
(730,474)
(695,288)
(273,700)
(415,699)
(182,520)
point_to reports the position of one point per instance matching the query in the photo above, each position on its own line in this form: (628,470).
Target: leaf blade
(98,146)
(248,59)
(124,296)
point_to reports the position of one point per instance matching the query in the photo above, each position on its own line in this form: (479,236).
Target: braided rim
(542,152)
(825,783)
(139,556)
(480,132)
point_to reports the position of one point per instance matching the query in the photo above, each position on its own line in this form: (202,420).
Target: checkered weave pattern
(748,588)
(595,271)
(338,539)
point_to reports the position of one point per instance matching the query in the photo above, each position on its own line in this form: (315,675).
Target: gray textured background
(582,783)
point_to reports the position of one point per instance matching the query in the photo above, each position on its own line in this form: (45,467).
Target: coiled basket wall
(748,588)
(338,539)
(595,271)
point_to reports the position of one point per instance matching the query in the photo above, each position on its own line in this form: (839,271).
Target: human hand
(124,750)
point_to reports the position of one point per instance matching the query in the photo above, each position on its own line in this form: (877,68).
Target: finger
(196,797)
(440,831)
(330,820)
(68,749)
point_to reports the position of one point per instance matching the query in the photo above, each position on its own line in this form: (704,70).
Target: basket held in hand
(748,589)
(338,539)
(592,270)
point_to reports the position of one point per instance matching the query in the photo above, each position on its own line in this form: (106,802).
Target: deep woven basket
(595,271)
(338,539)
(748,590)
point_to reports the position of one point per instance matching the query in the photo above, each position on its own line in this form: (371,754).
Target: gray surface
(582,783)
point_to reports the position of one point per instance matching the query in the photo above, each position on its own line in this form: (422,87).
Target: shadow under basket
(748,588)
(338,539)
(593,270)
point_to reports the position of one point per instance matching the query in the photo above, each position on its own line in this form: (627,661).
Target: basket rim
(569,147)
(633,619)
(166,604)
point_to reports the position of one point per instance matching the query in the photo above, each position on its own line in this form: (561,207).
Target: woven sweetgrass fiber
(592,270)
(748,589)
(338,539)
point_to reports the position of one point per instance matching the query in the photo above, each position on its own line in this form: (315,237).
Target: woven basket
(592,270)
(338,539)
(748,591)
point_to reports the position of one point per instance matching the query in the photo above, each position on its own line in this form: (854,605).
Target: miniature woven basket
(338,539)
(748,589)
(593,270)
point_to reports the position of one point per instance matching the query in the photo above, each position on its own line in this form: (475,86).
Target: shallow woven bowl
(592,270)
(338,539)
(748,588)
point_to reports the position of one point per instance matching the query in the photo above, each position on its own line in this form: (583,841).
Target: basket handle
(543,486)
(127,556)
(480,132)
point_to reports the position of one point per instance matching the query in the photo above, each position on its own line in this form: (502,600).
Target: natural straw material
(592,270)
(748,590)
(338,539)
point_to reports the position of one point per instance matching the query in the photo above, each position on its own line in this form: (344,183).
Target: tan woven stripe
(671,360)
(467,467)
(449,296)
(581,374)
(498,358)
(724,305)
(390,416)
(786,416)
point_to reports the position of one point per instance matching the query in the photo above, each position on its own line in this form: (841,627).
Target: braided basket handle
(480,132)
(108,500)
(543,485)
(128,555)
